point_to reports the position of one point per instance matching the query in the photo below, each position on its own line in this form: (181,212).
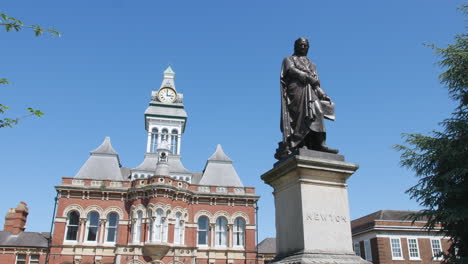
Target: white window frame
(23,261)
(77,228)
(239,230)
(108,227)
(418,257)
(34,261)
(221,232)
(368,250)
(401,248)
(178,229)
(88,226)
(357,250)
(207,230)
(432,249)
(137,225)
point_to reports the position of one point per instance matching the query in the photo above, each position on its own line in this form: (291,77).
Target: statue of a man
(304,105)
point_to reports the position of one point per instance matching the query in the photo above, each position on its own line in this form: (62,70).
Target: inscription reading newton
(326,217)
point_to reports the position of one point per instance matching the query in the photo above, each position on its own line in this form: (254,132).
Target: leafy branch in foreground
(12,23)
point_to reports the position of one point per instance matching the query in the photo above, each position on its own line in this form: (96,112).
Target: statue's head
(301,47)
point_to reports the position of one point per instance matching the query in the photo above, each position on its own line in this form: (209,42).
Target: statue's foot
(325,148)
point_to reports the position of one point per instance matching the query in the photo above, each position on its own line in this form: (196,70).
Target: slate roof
(267,246)
(24,239)
(382,215)
(174,162)
(103,164)
(219,171)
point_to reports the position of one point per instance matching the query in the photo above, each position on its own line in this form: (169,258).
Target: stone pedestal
(312,212)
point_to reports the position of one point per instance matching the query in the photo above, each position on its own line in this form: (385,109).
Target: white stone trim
(73,207)
(92,208)
(203,213)
(223,214)
(135,209)
(113,209)
(240,214)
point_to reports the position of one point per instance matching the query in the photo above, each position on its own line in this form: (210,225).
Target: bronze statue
(304,105)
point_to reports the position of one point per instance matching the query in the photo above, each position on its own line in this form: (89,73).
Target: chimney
(15,220)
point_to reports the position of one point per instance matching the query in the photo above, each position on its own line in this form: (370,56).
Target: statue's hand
(326,98)
(312,80)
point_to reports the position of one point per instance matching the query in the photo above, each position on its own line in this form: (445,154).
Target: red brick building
(387,236)
(157,212)
(18,246)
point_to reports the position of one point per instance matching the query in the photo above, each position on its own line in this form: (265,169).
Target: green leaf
(4,81)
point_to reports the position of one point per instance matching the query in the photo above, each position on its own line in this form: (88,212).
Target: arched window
(203,231)
(164,135)
(221,232)
(158,226)
(239,232)
(112,227)
(137,227)
(73,222)
(178,229)
(92,227)
(154,140)
(174,141)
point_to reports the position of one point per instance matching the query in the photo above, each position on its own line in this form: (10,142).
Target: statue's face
(301,48)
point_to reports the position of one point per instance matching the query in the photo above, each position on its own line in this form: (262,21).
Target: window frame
(68,225)
(21,261)
(174,141)
(33,261)
(418,257)
(401,248)
(206,230)
(434,257)
(358,253)
(236,232)
(179,229)
(222,230)
(107,227)
(154,139)
(368,250)
(137,225)
(88,226)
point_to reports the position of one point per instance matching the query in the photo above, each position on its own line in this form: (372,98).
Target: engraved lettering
(325,217)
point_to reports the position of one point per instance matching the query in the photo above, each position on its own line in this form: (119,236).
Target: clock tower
(165,120)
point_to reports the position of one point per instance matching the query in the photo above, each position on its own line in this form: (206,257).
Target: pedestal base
(321,258)
(312,213)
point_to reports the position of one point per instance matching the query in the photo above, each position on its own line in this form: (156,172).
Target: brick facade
(381,227)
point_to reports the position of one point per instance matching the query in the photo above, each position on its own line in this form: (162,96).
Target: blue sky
(96,80)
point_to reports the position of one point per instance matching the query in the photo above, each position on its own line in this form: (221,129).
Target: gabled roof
(219,171)
(24,239)
(103,164)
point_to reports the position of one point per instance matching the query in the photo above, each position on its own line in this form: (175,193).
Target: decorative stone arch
(136,208)
(113,209)
(223,214)
(156,206)
(95,208)
(73,207)
(242,215)
(181,210)
(203,213)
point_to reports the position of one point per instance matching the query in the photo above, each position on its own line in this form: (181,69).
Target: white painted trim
(391,248)
(432,249)
(417,248)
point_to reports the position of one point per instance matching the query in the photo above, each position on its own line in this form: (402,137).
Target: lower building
(388,236)
(18,246)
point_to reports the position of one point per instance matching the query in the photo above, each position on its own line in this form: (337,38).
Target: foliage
(441,160)
(12,23)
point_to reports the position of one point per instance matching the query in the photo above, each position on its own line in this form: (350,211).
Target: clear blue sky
(95,81)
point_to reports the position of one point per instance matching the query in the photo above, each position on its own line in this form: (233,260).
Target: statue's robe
(302,111)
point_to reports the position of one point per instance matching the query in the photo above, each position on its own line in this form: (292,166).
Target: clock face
(167,95)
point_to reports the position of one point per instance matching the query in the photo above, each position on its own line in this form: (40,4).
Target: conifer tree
(441,159)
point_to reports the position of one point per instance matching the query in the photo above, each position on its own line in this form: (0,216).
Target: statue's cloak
(302,111)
